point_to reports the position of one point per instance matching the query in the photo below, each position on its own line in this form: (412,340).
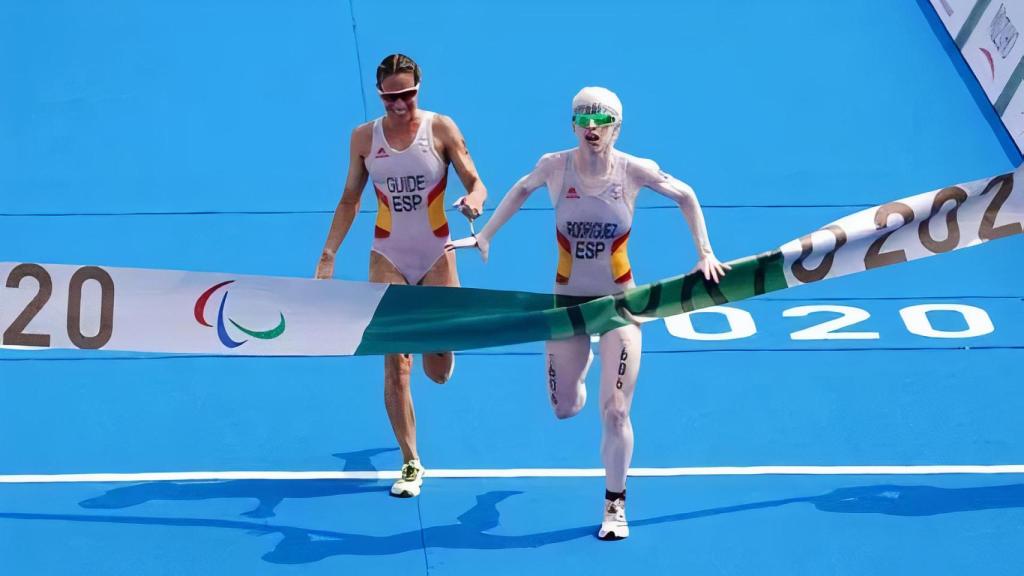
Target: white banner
(88,307)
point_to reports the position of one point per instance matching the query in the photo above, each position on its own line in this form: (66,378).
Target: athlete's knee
(569,407)
(438,376)
(439,367)
(566,373)
(565,410)
(614,413)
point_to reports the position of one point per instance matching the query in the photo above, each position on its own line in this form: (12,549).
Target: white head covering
(597,100)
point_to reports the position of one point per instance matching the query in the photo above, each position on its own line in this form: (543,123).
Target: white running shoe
(408,484)
(614,526)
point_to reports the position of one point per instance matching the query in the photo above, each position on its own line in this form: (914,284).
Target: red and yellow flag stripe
(383,226)
(621,270)
(435,209)
(564,259)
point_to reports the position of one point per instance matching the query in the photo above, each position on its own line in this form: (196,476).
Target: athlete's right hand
(470,207)
(325,267)
(711,267)
(478,242)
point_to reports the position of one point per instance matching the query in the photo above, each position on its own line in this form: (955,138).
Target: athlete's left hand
(469,206)
(711,267)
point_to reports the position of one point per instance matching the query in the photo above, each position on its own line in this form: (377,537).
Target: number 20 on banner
(17,335)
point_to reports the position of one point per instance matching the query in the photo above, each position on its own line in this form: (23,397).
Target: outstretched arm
(682,194)
(509,205)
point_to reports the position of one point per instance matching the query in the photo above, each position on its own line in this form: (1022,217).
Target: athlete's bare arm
(348,206)
(510,204)
(648,174)
(454,145)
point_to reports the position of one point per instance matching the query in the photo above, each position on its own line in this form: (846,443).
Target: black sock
(609,495)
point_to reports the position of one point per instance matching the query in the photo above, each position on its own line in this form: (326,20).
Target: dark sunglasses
(403,95)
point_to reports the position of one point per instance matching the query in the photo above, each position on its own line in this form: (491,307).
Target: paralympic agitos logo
(222,331)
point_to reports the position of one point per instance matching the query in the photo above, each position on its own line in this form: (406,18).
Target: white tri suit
(412,228)
(593,219)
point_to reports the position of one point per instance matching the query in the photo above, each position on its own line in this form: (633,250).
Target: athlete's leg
(438,366)
(620,364)
(397,395)
(567,363)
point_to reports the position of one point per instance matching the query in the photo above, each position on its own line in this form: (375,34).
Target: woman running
(593,188)
(406,154)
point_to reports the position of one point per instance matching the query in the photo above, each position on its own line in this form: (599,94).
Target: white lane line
(513,473)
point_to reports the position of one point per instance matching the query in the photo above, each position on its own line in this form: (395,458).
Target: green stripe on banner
(436,319)
(971,23)
(415,319)
(1011,88)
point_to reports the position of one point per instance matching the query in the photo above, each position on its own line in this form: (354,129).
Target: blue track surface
(212,136)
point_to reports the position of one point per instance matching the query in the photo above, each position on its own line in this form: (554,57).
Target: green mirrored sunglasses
(584,120)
